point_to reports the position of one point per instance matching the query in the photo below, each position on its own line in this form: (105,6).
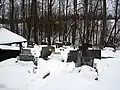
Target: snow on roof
(7,36)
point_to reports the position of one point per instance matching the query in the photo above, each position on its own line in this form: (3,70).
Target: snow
(63,76)
(9,47)
(7,36)
(35,50)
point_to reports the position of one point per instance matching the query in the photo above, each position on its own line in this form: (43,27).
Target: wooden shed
(7,38)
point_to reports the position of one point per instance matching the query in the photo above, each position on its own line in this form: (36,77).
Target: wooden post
(20,45)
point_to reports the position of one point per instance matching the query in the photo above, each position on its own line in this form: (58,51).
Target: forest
(74,22)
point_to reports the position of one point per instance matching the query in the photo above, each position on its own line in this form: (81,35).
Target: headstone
(96,54)
(26,55)
(78,63)
(46,51)
(59,44)
(87,61)
(92,53)
(30,44)
(43,43)
(74,56)
(84,46)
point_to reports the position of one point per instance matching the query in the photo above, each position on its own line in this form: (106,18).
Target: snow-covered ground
(63,76)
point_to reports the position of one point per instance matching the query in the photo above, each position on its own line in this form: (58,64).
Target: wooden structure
(7,38)
(8,53)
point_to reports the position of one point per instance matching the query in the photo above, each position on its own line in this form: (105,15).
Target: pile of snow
(13,76)
(64,51)
(21,75)
(109,48)
(88,72)
(35,51)
(108,52)
(63,76)
(56,56)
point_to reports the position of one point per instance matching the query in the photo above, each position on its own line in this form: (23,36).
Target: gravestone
(96,54)
(46,51)
(59,44)
(80,58)
(87,61)
(30,44)
(91,53)
(74,56)
(26,55)
(44,43)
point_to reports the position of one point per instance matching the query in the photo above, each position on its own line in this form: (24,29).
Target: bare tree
(116,16)
(12,15)
(49,21)
(34,18)
(103,32)
(23,17)
(75,25)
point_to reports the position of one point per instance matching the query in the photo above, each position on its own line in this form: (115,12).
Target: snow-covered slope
(63,76)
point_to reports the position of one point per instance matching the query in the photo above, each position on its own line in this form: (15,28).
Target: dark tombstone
(73,56)
(96,54)
(81,48)
(87,61)
(78,63)
(26,55)
(44,43)
(30,44)
(85,46)
(46,51)
(92,53)
(80,58)
(59,44)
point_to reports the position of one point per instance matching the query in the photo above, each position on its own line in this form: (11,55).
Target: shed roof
(8,37)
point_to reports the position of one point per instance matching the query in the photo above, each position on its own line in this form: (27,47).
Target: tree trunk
(59,21)
(66,18)
(41,31)
(75,25)
(35,17)
(116,13)
(23,16)
(3,11)
(103,32)
(49,21)
(12,15)
(85,20)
